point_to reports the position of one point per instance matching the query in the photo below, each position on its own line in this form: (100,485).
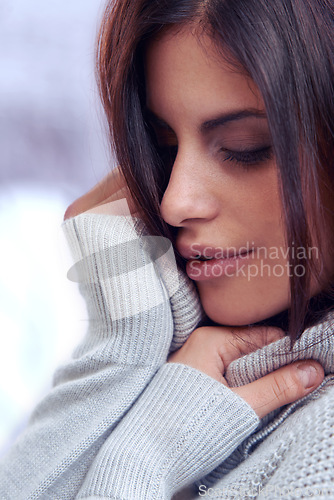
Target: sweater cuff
(117,268)
(114,263)
(182,427)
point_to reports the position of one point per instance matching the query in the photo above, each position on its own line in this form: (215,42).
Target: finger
(282,387)
(242,341)
(108,186)
(118,195)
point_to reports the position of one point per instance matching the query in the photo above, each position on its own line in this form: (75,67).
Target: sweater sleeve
(132,309)
(183,425)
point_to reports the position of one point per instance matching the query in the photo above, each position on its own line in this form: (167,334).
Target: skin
(218,200)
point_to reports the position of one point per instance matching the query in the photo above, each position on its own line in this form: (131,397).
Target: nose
(190,194)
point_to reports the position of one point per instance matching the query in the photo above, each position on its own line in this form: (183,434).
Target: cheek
(268,202)
(261,289)
(255,189)
(257,207)
(268,210)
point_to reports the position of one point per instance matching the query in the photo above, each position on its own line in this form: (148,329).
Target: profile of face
(223,192)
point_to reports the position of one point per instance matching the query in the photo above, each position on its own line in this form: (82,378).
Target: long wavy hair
(286,47)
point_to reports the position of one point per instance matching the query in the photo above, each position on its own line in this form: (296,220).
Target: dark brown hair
(286,46)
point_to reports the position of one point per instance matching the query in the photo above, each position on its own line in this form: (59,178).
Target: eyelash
(245,159)
(248,158)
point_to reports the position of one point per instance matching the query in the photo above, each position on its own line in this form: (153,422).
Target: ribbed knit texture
(291,457)
(122,424)
(131,300)
(203,422)
(294,447)
(315,343)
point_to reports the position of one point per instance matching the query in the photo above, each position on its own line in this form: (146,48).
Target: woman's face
(223,192)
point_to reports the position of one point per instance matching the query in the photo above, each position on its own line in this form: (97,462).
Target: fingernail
(307,374)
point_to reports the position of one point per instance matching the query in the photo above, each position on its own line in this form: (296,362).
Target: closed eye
(248,157)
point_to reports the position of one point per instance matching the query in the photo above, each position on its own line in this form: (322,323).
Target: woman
(221,115)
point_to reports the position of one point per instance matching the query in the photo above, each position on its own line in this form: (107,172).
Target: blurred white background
(52,150)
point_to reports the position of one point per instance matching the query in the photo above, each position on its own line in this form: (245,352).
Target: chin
(229,310)
(229,318)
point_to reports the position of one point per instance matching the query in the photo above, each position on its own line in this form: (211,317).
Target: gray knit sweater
(121,423)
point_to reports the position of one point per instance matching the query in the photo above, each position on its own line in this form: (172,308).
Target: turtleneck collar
(315,343)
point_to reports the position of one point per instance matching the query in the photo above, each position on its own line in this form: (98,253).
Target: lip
(228,262)
(210,252)
(203,270)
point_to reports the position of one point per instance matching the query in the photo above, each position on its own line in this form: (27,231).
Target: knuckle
(280,387)
(198,335)
(204,338)
(286,388)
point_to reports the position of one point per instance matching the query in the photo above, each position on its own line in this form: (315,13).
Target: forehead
(184,67)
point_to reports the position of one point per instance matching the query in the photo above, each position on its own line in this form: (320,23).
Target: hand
(212,349)
(113,187)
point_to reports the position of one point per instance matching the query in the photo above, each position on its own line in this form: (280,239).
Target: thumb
(281,387)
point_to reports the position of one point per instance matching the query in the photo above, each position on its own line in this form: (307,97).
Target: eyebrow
(225,118)
(219,121)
